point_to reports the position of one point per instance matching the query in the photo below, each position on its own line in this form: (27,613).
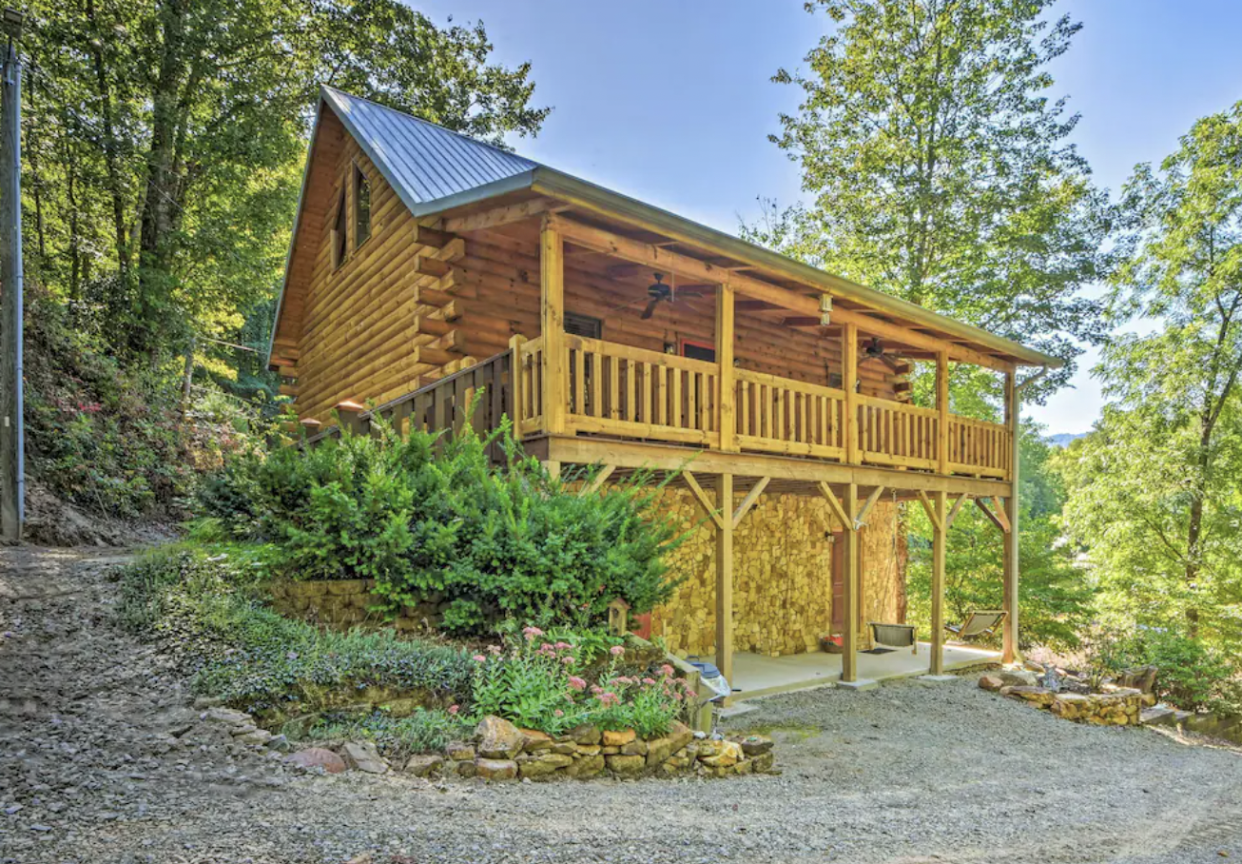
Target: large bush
(1191,675)
(433,518)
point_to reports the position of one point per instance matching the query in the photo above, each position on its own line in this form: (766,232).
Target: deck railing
(631,392)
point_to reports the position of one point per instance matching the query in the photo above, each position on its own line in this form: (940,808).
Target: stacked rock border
(1113,706)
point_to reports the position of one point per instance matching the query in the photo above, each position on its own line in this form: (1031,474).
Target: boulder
(763,762)
(637,747)
(1035,695)
(1141,678)
(680,734)
(424,764)
(459,752)
(498,738)
(587,749)
(754,745)
(991,682)
(362,756)
(626,766)
(533,740)
(495,769)
(254,736)
(534,769)
(618,738)
(556,760)
(720,754)
(659,750)
(318,757)
(587,766)
(465,769)
(229,717)
(1016,677)
(584,734)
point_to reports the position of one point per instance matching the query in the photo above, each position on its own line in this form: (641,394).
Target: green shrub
(202,606)
(423,731)
(1191,675)
(437,519)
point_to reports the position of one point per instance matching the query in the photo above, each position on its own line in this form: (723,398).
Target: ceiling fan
(874,350)
(657,293)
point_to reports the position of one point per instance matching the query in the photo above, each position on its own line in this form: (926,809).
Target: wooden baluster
(646,406)
(674,402)
(662,398)
(579,367)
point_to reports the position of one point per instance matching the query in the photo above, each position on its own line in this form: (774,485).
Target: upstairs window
(583,325)
(362,207)
(338,232)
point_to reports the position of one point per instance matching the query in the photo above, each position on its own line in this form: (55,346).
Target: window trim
(338,233)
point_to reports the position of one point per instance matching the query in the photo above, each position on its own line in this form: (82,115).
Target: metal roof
(433,169)
(427,165)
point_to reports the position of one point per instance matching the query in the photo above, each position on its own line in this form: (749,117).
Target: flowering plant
(545,685)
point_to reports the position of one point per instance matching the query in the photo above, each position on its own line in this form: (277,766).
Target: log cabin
(425,266)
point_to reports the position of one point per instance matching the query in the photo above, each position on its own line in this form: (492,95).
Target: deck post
(517,409)
(940,542)
(1010,538)
(724,576)
(552,326)
(852,585)
(849,383)
(942,405)
(724,359)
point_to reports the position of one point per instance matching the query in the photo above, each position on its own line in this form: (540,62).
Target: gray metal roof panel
(425,163)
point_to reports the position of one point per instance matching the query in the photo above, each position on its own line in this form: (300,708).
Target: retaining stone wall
(345,603)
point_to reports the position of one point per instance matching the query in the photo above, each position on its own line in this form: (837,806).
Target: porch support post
(942,406)
(1010,538)
(552,327)
(849,383)
(724,576)
(724,357)
(853,587)
(940,538)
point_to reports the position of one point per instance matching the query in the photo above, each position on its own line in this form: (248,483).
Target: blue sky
(671,101)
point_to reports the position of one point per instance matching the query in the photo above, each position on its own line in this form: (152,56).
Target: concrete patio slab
(756,675)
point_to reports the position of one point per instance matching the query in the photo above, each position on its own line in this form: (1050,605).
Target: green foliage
(101,435)
(1191,675)
(1054,602)
(545,685)
(203,606)
(940,169)
(426,519)
(423,731)
(1154,491)
(164,142)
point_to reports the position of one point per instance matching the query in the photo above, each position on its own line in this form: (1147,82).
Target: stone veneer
(345,603)
(1119,708)
(782,591)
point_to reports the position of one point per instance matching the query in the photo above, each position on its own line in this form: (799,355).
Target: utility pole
(12,433)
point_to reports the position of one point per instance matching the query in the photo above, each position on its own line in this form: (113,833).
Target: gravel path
(103,760)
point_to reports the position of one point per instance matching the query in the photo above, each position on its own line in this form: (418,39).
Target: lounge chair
(897,635)
(978,623)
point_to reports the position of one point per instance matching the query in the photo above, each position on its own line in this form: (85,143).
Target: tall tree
(167,137)
(940,169)
(1156,489)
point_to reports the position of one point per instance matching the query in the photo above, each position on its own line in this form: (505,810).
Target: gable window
(338,232)
(362,207)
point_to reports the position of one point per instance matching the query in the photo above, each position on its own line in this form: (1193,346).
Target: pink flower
(609,698)
(649,681)
(577,683)
(453,709)
(666,670)
(561,646)
(532,632)
(567,659)
(479,658)
(558,713)
(494,650)
(616,650)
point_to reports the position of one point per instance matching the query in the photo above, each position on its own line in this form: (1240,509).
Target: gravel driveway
(102,760)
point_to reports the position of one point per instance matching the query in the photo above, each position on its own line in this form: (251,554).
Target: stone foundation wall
(346,603)
(782,591)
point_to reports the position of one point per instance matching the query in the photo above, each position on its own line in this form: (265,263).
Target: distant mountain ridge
(1063,439)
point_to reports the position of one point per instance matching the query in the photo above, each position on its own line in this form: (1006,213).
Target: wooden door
(838,583)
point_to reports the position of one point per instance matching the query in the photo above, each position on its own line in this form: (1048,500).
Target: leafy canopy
(1154,491)
(940,170)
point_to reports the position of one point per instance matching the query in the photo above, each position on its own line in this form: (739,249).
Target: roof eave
(587,195)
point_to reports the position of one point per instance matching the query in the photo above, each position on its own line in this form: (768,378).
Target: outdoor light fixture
(825,310)
(11,21)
